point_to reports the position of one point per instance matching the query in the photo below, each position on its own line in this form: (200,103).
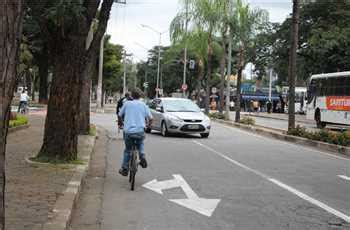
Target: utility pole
(293,65)
(159,46)
(185,53)
(125,71)
(158,69)
(124,76)
(100,76)
(229,67)
(270,85)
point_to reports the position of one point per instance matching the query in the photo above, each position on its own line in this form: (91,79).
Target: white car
(178,115)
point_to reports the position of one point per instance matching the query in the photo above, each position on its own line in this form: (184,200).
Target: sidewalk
(31,192)
(279,116)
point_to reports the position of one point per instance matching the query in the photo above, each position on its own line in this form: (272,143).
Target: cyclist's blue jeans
(128,147)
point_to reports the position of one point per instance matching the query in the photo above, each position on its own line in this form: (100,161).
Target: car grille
(187,128)
(193,121)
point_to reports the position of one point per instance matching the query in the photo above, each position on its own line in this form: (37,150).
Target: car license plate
(193,126)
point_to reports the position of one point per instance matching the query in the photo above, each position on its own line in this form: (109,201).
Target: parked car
(178,115)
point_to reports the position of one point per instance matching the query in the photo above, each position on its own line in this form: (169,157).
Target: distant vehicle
(328,99)
(178,115)
(300,99)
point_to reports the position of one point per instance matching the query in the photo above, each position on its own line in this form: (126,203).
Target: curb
(281,135)
(15,129)
(60,216)
(277,118)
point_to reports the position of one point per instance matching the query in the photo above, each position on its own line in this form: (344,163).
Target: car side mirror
(159,109)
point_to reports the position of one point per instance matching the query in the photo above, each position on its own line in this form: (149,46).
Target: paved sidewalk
(31,192)
(280,116)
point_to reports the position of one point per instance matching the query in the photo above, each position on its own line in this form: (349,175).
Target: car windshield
(180,106)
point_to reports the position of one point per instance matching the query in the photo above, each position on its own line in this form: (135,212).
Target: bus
(328,99)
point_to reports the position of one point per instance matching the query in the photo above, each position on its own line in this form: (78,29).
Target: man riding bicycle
(134,114)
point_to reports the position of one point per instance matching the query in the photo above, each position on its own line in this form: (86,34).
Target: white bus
(329,99)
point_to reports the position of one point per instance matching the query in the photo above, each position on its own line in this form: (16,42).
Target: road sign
(184,87)
(214,90)
(192,64)
(193,202)
(145,84)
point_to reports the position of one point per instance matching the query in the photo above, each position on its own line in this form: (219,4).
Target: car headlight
(206,119)
(174,119)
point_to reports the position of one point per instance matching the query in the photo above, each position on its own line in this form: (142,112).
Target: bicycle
(133,162)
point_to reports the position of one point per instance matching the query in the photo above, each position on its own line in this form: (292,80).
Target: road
(256,183)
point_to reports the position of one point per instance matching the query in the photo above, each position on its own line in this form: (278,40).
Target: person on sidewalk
(23,102)
(135,114)
(122,100)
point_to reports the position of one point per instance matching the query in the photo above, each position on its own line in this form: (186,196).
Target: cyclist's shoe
(143,162)
(123,171)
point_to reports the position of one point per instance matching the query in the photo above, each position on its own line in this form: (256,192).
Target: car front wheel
(165,132)
(204,135)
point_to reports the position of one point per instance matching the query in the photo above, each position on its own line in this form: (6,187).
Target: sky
(125,22)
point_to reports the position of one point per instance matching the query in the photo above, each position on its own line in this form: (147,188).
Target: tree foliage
(324,44)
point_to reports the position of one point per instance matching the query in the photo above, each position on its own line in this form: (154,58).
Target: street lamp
(146,80)
(160,41)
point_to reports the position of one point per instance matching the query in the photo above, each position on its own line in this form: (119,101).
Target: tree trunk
(292,65)
(61,128)
(209,70)
(43,75)
(11,14)
(84,111)
(239,83)
(222,71)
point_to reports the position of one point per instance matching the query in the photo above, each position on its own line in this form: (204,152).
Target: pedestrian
(122,100)
(256,106)
(283,104)
(23,102)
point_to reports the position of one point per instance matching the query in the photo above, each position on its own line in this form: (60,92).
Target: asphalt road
(260,183)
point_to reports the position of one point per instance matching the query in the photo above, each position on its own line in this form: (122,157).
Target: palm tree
(246,24)
(292,65)
(204,19)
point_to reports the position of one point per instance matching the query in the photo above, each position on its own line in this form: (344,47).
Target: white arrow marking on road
(344,177)
(203,206)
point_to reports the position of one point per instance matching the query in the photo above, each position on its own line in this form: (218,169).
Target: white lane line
(312,200)
(280,184)
(344,177)
(283,142)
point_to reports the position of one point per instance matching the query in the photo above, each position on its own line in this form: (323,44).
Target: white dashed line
(344,177)
(280,184)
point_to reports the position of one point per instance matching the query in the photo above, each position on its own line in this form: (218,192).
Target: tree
(37,45)
(247,24)
(293,65)
(11,14)
(324,40)
(66,25)
(112,67)
(204,20)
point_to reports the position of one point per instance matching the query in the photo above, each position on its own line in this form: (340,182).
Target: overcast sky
(125,22)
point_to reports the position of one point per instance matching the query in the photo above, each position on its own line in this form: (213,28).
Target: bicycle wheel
(133,168)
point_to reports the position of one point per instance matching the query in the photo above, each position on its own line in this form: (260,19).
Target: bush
(247,121)
(324,135)
(92,130)
(18,121)
(217,115)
